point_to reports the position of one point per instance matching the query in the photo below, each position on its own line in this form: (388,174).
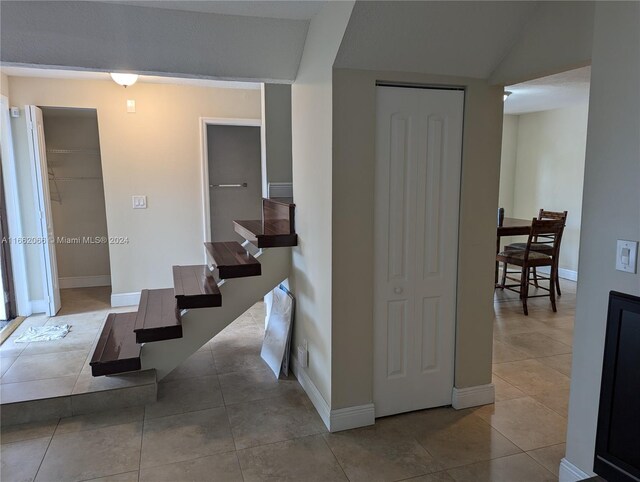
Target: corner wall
(610,211)
(354,121)
(276,132)
(311,109)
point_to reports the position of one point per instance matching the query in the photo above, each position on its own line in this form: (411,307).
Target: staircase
(173,323)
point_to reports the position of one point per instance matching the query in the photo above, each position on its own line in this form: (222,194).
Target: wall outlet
(303,356)
(626,255)
(139,202)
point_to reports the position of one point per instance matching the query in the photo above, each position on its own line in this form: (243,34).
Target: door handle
(397,290)
(244,184)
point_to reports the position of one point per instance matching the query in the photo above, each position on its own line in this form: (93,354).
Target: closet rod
(73,178)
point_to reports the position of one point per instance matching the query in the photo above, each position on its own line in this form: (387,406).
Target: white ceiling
(287,9)
(12,71)
(467,39)
(552,92)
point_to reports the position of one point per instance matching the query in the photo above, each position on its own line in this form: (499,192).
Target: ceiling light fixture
(124,80)
(504,96)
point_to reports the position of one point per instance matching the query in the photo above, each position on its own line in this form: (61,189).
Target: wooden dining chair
(543,244)
(528,259)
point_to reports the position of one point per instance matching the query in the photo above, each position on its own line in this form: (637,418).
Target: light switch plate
(626,256)
(131,106)
(139,202)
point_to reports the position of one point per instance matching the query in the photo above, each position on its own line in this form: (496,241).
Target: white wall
(610,210)
(79,210)
(154,152)
(508,159)
(548,171)
(311,108)
(276,132)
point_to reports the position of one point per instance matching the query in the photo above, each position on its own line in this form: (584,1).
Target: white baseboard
(571,473)
(352,417)
(334,420)
(84,281)
(39,306)
(568,274)
(563,273)
(473,396)
(125,299)
(312,392)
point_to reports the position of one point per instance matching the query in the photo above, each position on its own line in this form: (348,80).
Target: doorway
(70,170)
(233,171)
(417,195)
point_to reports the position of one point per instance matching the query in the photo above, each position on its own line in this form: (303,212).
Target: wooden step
(280,209)
(158,317)
(116,350)
(195,287)
(232,260)
(267,234)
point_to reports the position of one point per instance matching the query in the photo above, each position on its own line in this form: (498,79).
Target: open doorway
(543,152)
(77,206)
(542,167)
(232,164)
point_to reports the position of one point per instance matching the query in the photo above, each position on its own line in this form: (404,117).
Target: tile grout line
(324,439)
(46,451)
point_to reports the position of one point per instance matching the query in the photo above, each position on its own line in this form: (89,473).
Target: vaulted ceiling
(450,38)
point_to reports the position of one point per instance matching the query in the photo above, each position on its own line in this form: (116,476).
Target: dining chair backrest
(542,214)
(548,228)
(555,215)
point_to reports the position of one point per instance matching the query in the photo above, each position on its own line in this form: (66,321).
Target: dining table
(511,227)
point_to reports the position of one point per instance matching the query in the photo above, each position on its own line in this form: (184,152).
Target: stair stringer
(201,324)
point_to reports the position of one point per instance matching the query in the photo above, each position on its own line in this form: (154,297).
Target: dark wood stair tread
(158,317)
(195,287)
(232,260)
(267,234)
(116,350)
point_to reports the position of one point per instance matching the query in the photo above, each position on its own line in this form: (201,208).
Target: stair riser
(158,334)
(239,271)
(118,366)
(204,301)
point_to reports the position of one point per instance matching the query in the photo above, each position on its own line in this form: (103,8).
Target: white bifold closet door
(38,153)
(417,197)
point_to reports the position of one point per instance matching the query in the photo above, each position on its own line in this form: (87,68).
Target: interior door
(235,178)
(38,150)
(418,166)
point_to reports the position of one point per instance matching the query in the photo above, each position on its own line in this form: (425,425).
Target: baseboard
(312,392)
(352,417)
(280,189)
(39,306)
(334,420)
(563,273)
(84,281)
(125,299)
(473,396)
(571,473)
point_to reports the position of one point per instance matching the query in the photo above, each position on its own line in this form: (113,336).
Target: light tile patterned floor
(222,416)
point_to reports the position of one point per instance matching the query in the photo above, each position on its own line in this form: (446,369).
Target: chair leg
(535,277)
(555,268)
(504,275)
(552,289)
(524,289)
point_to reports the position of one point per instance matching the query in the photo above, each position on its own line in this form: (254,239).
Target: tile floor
(222,416)
(60,368)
